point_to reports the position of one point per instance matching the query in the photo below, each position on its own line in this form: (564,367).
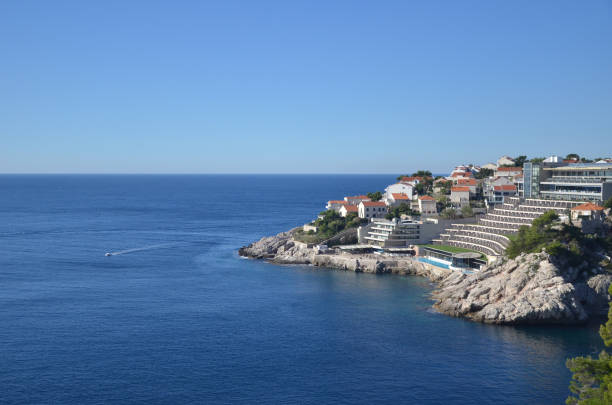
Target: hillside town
(468,218)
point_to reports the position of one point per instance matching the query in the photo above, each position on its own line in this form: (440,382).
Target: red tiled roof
(400,196)
(336,202)
(427,198)
(412,178)
(351,208)
(510,169)
(358,197)
(460,189)
(461,174)
(505,187)
(374,204)
(467,182)
(588,207)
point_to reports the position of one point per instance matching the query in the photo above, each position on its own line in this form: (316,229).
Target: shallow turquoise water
(433,262)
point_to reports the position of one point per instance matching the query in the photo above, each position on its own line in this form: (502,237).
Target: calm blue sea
(180,318)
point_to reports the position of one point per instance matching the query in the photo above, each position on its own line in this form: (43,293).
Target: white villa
(495,188)
(398,198)
(427,205)
(399,188)
(335,205)
(508,171)
(505,161)
(490,166)
(372,209)
(355,200)
(347,209)
(412,180)
(460,195)
(470,183)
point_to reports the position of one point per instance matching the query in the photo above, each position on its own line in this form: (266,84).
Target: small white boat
(108,254)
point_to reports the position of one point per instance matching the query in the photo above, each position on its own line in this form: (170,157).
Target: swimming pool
(433,262)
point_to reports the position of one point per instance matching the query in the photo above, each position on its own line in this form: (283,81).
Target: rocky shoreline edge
(530,289)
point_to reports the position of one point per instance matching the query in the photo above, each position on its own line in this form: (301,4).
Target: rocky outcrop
(268,247)
(531,289)
(283,249)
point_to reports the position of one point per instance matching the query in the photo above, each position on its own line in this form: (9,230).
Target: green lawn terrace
(450,249)
(455,249)
(454,257)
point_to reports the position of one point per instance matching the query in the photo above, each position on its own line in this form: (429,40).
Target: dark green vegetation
(375,196)
(467,211)
(484,173)
(445,187)
(520,160)
(425,185)
(608,203)
(575,156)
(563,241)
(451,213)
(420,173)
(592,378)
(329,224)
(397,212)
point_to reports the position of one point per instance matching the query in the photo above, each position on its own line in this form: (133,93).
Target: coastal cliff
(531,289)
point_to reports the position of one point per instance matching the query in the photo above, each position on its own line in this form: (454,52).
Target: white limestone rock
(530,289)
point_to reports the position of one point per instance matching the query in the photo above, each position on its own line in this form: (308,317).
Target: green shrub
(555,248)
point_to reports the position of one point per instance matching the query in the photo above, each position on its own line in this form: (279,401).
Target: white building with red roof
(587,209)
(356,199)
(372,209)
(460,195)
(501,192)
(347,209)
(335,205)
(413,180)
(494,189)
(398,198)
(471,183)
(509,171)
(427,205)
(399,188)
(589,217)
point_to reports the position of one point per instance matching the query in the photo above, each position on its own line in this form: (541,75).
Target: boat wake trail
(140,249)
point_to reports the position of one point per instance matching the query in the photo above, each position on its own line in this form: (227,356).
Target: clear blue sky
(291,86)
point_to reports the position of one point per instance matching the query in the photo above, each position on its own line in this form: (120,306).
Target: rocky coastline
(530,289)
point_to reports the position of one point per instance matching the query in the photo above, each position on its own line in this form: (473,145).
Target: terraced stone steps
(490,234)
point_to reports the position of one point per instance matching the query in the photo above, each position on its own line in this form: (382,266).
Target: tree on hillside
(572,156)
(376,196)
(442,202)
(402,209)
(592,378)
(608,203)
(533,238)
(537,160)
(520,160)
(467,211)
(484,173)
(449,213)
(422,173)
(420,188)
